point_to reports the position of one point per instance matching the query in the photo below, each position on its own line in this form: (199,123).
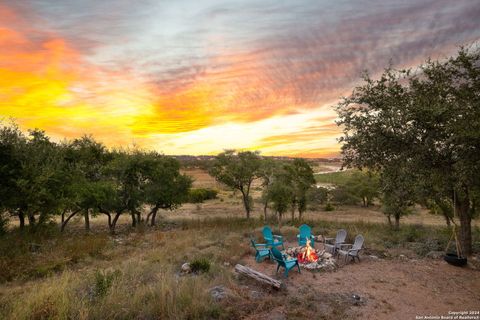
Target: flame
(308,254)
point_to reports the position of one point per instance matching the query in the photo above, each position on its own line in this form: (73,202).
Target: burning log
(258,276)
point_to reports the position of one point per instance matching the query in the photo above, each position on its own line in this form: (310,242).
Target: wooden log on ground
(258,276)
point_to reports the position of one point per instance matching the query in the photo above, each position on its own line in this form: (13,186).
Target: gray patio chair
(335,243)
(354,250)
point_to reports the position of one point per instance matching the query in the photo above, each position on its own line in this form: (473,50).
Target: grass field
(135,274)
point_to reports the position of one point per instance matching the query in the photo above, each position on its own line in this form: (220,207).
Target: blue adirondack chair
(271,239)
(305,232)
(261,251)
(282,261)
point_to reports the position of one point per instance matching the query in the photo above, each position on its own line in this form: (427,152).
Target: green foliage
(317,196)
(336,178)
(352,186)
(200,265)
(103,282)
(199,195)
(329,207)
(427,123)
(238,170)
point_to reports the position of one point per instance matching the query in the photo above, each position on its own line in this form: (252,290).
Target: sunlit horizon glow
(190,78)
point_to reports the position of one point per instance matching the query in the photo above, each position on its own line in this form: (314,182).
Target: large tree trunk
(31,220)
(109,216)
(246,203)
(113,224)
(258,276)
(389,219)
(134,220)
(87,220)
(397,221)
(153,215)
(463,211)
(139,217)
(447,220)
(64,223)
(21,219)
(265,208)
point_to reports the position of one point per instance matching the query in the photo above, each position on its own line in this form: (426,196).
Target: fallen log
(258,276)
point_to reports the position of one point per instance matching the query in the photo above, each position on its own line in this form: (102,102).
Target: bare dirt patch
(388,289)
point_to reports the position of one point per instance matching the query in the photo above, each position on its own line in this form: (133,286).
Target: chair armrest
(278,237)
(260,244)
(341,245)
(328,239)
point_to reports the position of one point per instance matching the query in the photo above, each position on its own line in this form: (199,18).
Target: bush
(317,196)
(200,265)
(201,194)
(103,282)
(329,207)
(341,195)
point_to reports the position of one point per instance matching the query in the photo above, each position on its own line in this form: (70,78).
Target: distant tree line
(41,179)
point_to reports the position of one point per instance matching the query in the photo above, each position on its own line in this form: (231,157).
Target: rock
(403,257)
(435,254)
(218,293)
(357,300)
(373,257)
(327,255)
(186,268)
(276,315)
(255,294)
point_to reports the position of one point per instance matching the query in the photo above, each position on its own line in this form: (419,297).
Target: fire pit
(312,259)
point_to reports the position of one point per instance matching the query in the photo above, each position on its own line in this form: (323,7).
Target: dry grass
(136,273)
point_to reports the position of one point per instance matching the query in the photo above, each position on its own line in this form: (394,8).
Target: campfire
(312,259)
(307,255)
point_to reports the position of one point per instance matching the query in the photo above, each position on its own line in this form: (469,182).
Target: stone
(373,257)
(218,293)
(255,294)
(186,268)
(276,315)
(435,254)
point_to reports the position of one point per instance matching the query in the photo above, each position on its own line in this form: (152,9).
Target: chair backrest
(305,231)
(277,255)
(267,232)
(358,244)
(341,236)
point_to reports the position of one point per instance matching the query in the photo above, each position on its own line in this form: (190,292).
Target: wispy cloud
(176,75)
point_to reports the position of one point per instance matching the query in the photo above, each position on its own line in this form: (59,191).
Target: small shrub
(201,194)
(103,282)
(200,265)
(329,207)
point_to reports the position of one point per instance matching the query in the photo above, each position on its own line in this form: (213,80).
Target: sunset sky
(197,77)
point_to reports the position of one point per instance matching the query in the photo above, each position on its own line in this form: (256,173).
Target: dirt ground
(388,289)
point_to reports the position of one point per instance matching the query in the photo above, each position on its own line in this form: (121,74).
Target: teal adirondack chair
(282,261)
(271,239)
(261,251)
(305,232)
